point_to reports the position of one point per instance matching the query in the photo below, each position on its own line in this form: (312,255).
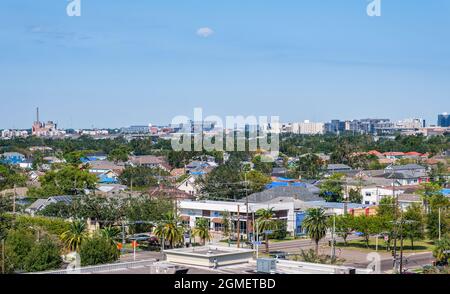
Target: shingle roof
(338,167)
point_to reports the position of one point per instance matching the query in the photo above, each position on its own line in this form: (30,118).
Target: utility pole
(256,243)
(123,236)
(3,256)
(14,200)
(439,212)
(333,248)
(246,204)
(395,206)
(401,246)
(238,226)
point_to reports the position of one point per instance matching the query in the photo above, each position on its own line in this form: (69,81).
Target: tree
(69,180)
(309,166)
(226,218)
(98,250)
(316,225)
(170,230)
(201,230)
(265,222)
(141,177)
(332,188)
(414,223)
(368,225)
(354,196)
(10,177)
(344,226)
(263,167)
(58,209)
(441,251)
(105,211)
(427,191)
(437,204)
(258,180)
(45,255)
(17,246)
(74,237)
(224,182)
(38,160)
(112,234)
(146,209)
(388,209)
(119,154)
(280,230)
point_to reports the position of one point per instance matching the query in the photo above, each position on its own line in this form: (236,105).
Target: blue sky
(142,61)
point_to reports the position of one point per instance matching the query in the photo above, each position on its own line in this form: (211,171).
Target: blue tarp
(105,180)
(446,192)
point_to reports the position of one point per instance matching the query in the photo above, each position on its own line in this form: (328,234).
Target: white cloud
(205,32)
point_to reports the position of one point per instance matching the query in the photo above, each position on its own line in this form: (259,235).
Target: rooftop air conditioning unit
(266,265)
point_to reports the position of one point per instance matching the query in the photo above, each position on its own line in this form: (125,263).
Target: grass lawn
(419,245)
(289,238)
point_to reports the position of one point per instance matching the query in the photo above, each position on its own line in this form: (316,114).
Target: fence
(101,268)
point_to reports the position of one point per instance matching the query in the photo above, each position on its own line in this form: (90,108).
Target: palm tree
(75,235)
(265,222)
(202,230)
(316,226)
(170,230)
(111,233)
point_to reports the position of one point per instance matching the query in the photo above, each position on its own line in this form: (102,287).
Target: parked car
(278,254)
(139,237)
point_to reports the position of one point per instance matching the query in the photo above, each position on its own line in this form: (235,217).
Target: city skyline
(40,122)
(119,65)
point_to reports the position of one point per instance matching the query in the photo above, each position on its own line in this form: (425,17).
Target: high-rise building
(444,120)
(308,128)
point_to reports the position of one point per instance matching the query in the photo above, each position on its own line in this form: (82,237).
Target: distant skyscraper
(444,120)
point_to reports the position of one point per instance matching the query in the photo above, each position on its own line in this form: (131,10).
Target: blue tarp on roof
(285,184)
(446,192)
(198,173)
(102,179)
(285,179)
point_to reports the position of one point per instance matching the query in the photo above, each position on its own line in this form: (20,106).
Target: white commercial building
(214,210)
(308,128)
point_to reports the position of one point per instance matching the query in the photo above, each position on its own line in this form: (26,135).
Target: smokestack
(37,114)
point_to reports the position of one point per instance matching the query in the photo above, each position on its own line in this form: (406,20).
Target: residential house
(338,168)
(110,189)
(190,185)
(150,161)
(13,158)
(372,195)
(171,193)
(108,172)
(41,204)
(407,167)
(406,199)
(197,167)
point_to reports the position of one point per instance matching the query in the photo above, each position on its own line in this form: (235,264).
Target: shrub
(98,250)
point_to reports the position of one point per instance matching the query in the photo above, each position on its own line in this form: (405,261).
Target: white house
(373,194)
(189,186)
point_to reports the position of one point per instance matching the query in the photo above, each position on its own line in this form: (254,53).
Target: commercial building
(444,120)
(308,128)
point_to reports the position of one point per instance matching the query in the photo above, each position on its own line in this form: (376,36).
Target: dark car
(278,254)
